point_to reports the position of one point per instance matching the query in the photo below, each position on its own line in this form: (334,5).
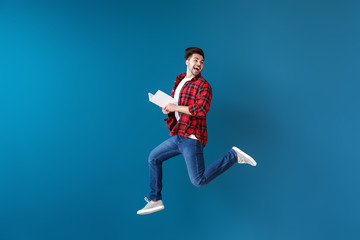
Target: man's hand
(168,108)
(164,111)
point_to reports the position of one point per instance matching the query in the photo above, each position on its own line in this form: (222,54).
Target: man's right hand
(165,111)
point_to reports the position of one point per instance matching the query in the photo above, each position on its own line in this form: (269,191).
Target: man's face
(195,64)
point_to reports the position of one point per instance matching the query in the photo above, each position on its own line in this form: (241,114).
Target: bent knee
(152,158)
(200,182)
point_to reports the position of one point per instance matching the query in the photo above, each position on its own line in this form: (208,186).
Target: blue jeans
(192,150)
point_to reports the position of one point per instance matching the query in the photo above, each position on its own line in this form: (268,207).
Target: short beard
(192,71)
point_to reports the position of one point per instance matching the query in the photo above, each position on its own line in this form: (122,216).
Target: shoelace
(146,199)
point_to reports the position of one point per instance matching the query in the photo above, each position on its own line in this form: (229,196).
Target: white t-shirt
(176,97)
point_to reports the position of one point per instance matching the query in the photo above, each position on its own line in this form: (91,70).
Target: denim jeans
(192,150)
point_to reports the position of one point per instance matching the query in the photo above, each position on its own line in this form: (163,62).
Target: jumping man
(187,124)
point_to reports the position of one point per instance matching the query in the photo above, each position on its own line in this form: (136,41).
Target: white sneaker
(243,157)
(151,207)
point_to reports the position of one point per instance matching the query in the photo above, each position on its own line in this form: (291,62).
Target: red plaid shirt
(196,94)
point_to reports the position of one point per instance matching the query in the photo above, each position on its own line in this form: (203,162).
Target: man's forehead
(198,56)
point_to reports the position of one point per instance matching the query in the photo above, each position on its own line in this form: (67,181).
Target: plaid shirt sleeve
(201,105)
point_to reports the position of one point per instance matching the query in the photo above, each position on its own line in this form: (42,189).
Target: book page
(161,99)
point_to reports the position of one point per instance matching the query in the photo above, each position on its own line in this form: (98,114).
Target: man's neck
(189,75)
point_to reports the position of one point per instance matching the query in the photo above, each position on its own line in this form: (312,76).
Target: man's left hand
(170,107)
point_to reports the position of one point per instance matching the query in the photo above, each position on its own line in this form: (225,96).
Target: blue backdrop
(76,126)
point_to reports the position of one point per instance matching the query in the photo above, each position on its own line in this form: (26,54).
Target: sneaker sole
(252,161)
(152,210)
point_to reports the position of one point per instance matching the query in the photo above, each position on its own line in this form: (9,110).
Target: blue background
(76,126)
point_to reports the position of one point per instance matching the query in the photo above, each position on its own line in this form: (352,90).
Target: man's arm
(175,108)
(197,109)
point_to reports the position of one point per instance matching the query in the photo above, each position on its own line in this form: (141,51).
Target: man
(187,124)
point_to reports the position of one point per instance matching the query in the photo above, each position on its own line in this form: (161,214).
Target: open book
(161,99)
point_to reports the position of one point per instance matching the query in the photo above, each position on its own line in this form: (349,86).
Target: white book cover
(161,99)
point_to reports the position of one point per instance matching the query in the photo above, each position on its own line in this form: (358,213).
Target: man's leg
(194,157)
(161,153)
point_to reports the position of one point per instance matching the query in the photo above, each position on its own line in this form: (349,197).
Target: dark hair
(191,50)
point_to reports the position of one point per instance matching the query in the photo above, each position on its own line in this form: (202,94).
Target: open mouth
(197,68)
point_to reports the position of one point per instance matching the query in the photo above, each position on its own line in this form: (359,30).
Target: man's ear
(187,62)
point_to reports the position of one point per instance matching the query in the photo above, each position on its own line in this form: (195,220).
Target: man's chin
(195,73)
